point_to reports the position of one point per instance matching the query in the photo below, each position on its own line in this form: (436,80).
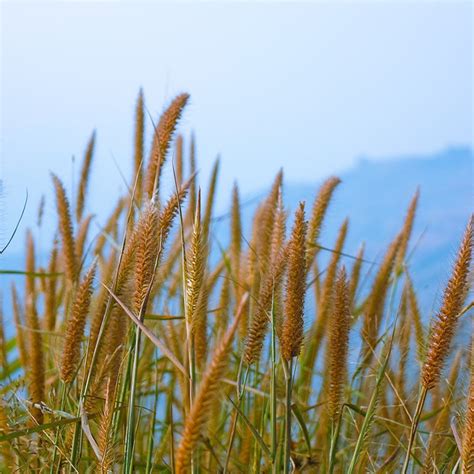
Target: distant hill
(375,195)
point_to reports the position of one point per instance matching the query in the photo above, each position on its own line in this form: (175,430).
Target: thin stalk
(56,439)
(259,450)
(335,430)
(287,455)
(121,400)
(149,458)
(170,413)
(273,400)
(76,445)
(414,426)
(129,438)
(253,404)
(241,392)
(191,382)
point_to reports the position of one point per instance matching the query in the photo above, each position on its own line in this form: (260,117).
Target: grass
(153,348)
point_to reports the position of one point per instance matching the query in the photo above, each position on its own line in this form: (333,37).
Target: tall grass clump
(173,340)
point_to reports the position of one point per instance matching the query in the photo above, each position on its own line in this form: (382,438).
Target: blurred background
(379,93)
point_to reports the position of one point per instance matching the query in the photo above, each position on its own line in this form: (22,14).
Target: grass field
(151,348)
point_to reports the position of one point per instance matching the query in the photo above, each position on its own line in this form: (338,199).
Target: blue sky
(307,86)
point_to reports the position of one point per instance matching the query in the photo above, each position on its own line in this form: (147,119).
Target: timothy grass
(153,347)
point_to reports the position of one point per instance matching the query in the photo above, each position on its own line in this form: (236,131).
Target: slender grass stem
(129,438)
(287,452)
(335,430)
(56,438)
(151,435)
(241,392)
(414,426)
(273,399)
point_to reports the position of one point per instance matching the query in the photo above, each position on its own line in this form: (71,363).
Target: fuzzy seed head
(338,343)
(293,325)
(445,323)
(162,140)
(65,230)
(75,327)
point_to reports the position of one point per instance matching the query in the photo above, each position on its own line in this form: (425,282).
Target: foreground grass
(151,348)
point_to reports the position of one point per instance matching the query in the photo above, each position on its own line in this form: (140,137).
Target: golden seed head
(162,140)
(139,139)
(442,331)
(65,230)
(293,323)
(318,212)
(84,180)
(147,248)
(75,327)
(338,344)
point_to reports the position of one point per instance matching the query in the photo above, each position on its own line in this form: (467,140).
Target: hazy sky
(306,86)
